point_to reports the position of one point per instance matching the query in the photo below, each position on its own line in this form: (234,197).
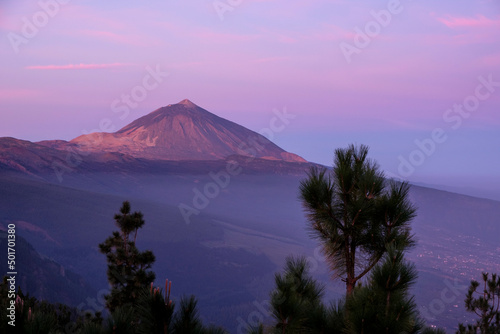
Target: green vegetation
(296,301)
(135,306)
(363,224)
(34,316)
(355,213)
(128,269)
(384,305)
(485,304)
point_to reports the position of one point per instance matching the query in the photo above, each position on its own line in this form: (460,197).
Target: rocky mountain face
(184,131)
(166,138)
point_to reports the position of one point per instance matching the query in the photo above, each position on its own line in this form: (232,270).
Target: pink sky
(62,79)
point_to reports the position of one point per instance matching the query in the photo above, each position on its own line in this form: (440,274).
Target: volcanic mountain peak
(184,112)
(188,103)
(184,131)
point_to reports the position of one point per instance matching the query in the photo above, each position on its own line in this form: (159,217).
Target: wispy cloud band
(77,66)
(477,21)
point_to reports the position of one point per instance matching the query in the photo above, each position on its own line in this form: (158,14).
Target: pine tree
(256,329)
(155,311)
(296,300)
(122,320)
(328,320)
(354,212)
(128,268)
(385,305)
(187,319)
(485,304)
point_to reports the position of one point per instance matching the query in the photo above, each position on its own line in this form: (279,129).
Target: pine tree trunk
(349,286)
(351,278)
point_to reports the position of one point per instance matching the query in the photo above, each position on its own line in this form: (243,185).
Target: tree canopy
(128,268)
(354,211)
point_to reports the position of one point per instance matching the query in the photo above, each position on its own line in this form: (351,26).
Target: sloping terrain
(220,219)
(181,131)
(228,253)
(40,276)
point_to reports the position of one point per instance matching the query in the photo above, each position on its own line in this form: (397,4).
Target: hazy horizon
(222,210)
(389,75)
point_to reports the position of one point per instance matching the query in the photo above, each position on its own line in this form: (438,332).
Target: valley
(228,252)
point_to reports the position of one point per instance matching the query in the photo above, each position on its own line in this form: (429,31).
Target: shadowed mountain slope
(63,195)
(42,277)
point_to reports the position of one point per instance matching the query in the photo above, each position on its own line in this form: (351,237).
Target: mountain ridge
(173,137)
(184,131)
(246,227)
